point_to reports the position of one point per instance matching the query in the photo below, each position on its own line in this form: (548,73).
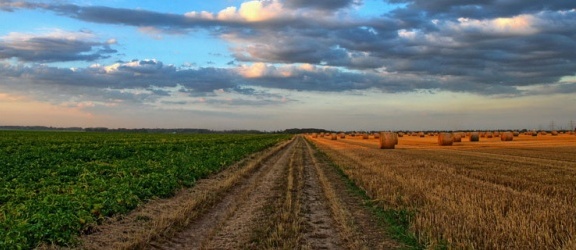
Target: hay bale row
(554,133)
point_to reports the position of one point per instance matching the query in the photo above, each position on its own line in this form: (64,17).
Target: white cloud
(255,11)
(251,11)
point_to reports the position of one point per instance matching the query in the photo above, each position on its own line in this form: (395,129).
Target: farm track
(288,198)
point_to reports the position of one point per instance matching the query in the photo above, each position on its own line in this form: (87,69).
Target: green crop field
(55,185)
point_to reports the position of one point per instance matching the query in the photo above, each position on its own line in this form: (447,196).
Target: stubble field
(489,194)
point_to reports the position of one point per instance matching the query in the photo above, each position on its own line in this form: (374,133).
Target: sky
(278,64)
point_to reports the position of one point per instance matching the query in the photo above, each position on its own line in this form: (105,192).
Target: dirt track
(285,198)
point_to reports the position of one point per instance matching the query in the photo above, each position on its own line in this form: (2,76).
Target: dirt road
(287,197)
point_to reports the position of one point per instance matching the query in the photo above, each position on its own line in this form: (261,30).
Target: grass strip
(395,221)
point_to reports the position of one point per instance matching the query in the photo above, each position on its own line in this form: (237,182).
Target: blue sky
(277,64)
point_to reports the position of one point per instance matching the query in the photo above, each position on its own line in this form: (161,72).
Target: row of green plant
(56,185)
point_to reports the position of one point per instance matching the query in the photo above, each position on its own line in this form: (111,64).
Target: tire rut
(320,227)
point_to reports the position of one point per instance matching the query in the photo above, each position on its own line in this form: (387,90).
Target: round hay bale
(507,136)
(400,134)
(342,135)
(482,134)
(516,133)
(554,133)
(534,133)
(388,140)
(474,136)
(421,134)
(496,134)
(314,135)
(364,136)
(445,139)
(457,137)
(543,133)
(489,135)
(333,136)
(376,135)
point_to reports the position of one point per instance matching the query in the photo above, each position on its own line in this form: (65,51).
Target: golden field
(490,194)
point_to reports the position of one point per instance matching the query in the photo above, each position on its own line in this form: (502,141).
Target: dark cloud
(351,45)
(169,23)
(52,49)
(478,8)
(131,17)
(131,75)
(322,5)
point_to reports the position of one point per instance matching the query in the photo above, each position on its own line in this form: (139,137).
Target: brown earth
(286,197)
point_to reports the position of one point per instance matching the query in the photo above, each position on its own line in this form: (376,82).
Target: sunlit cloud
(514,26)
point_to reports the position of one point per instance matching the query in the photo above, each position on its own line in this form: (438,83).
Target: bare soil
(286,197)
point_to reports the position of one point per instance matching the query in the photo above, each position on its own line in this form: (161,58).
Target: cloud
(8,5)
(323,5)
(479,9)
(522,25)
(133,74)
(55,46)
(253,11)
(485,47)
(251,14)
